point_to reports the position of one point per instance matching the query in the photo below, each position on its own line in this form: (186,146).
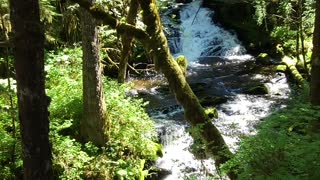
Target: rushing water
(197,37)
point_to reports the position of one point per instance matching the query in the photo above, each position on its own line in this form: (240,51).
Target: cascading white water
(200,37)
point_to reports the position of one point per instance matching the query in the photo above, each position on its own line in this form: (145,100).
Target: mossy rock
(260,89)
(212,100)
(158,173)
(281,68)
(212,112)
(263,59)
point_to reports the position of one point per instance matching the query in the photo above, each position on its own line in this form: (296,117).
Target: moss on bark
(183,63)
(294,71)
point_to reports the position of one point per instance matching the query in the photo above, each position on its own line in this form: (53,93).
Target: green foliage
(212,112)
(164,4)
(285,35)
(131,134)
(69,160)
(48,11)
(198,147)
(10,148)
(261,12)
(283,20)
(286,146)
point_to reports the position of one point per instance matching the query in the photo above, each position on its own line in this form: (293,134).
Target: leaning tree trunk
(194,112)
(93,122)
(28,41)
(155,42)
(127,42)
(315,60)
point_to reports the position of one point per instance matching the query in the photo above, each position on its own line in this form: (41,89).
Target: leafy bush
(286,147)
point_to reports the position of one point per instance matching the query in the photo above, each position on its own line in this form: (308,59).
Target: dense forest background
(65,112)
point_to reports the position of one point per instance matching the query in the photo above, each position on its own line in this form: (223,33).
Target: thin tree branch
(122,28)
(5,44)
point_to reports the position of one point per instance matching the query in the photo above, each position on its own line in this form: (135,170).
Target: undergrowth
(131,148)
(285,147)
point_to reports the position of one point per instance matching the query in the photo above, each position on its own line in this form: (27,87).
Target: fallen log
(291,64)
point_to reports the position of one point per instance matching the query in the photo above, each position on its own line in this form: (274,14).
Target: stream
(218,67)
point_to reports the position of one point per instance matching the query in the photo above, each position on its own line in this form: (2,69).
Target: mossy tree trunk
(164,61)
(155,42)
(127,42)
(315,60)
(92,124)
(28,41)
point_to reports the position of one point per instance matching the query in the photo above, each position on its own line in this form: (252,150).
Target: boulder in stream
(212,100)
(263,59)
(259,89)
(158,173)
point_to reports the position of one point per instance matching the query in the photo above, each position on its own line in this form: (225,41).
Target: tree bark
(28,41)
(93,123)
(127,42)
(315,60)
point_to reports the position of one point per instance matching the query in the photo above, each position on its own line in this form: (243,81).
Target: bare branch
(122,28)
(5,44)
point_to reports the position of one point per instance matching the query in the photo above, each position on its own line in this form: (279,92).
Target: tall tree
(92,125)
(315,59)
(155,42)
(127,41)
(28,41)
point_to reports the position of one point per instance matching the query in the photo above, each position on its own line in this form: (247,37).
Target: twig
(196,14)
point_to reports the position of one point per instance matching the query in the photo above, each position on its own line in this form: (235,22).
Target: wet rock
(198,87)
(189,170)
(212,100)
(212,60)
(260,89)
(263,59)
(158,173)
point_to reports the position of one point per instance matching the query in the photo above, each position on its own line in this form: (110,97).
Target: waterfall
(195,35)
(200,37)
